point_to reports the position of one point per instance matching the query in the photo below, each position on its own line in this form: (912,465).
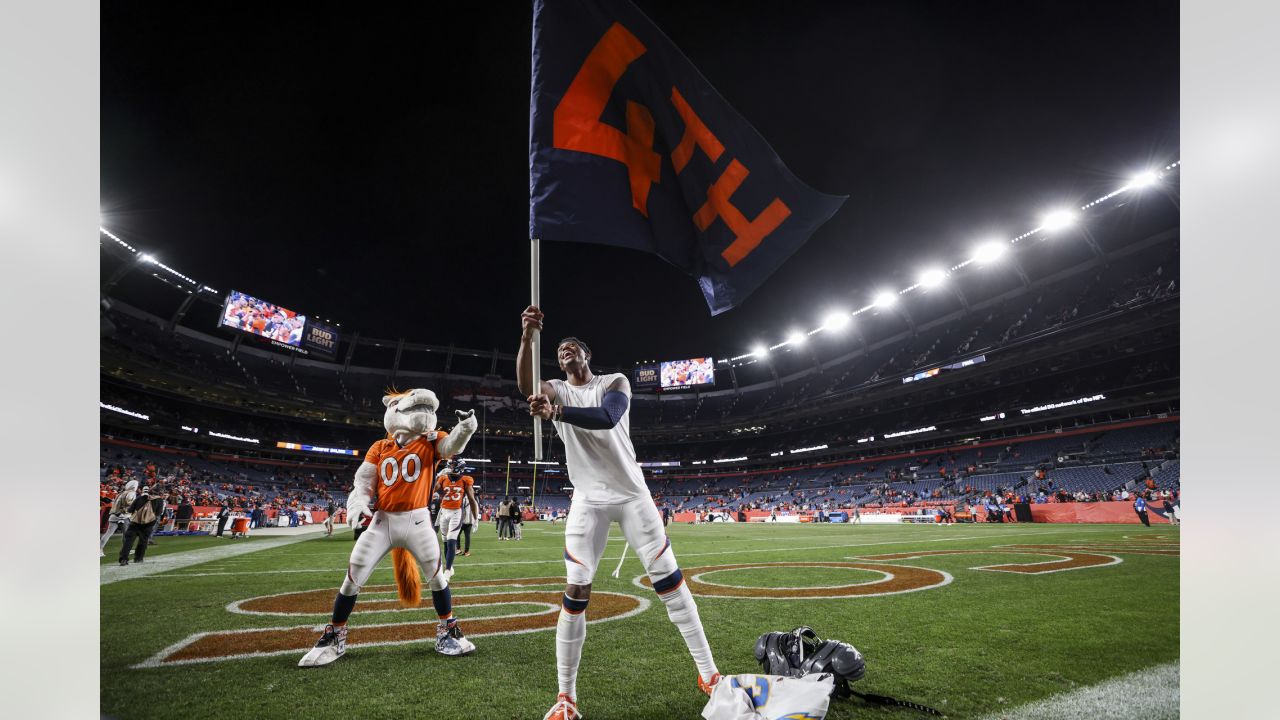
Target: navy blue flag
(629,145)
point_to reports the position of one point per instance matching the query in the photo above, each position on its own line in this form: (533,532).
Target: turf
(986,641)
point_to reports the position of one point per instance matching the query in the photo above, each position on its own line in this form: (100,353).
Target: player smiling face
(572,353)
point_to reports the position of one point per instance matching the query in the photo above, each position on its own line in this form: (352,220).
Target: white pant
(112,526)
(449,523)
(587,530)
(410,530)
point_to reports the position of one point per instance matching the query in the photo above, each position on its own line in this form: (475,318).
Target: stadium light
(836,321)
(797,338)
(932,278)
(1144,179)
(149,258)
(760,351)
(989,251)
(1058,219)
(885,299)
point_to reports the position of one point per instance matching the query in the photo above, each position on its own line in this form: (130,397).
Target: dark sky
(371,166)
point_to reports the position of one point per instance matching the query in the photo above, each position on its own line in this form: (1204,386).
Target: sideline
(113,572)
(1150,694)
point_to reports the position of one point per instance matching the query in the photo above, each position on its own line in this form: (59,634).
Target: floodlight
(1143,179)
(932,278)
(836,321)
(797,338)
(1058,219)
(989,251)
(760,351)
(885,299)
(149,258)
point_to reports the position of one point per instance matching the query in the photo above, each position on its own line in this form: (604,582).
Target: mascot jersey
(401,468)
(453,491)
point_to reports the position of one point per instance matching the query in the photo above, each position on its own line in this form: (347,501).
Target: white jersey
(602,463)
(770,697)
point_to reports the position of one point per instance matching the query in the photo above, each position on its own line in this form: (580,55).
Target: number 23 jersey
(403,474)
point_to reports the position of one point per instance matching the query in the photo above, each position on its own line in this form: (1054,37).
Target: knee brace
(667,584)
(573,606)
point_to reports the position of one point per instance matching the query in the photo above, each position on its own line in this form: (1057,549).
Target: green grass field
(984,642)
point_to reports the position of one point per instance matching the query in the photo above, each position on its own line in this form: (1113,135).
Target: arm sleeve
(612,406)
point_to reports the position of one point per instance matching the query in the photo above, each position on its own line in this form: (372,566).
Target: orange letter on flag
(695,132)
(748,233)
(577,123)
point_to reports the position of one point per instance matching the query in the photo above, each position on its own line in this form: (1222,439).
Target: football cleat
(707,687)
(564,709)
(332,644)
(449,640)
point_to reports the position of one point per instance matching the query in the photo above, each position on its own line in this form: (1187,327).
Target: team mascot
(396,477)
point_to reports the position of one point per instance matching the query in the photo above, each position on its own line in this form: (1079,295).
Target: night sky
(371,166)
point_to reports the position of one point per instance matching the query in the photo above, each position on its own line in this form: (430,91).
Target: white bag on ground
(769,697)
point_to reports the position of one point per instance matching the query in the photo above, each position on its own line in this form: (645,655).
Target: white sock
(571,632)
(683,611)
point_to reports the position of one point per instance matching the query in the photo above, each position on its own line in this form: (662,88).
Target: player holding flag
(591,416)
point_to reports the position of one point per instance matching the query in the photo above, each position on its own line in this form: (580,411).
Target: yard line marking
(174,561)
(560,560)
(1149,694)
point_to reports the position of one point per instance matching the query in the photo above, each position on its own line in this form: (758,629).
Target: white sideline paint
(154,564)
(1150,694)
(560,561)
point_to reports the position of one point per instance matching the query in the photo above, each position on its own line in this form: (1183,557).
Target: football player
(454,489)
(591,416)
(397,463)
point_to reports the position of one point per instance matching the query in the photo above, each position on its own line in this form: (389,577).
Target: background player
(410,450)
(454,489)
(591,416)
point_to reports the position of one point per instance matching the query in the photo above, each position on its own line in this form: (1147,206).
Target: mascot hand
(467,419)
(355,511)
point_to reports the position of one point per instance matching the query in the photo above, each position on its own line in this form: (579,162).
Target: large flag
(629,145)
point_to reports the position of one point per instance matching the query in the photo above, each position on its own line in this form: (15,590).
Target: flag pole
(535,263)
(507,489)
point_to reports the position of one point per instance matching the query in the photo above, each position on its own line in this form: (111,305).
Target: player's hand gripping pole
(535,262)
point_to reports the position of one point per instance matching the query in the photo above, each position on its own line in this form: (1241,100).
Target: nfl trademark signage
(629,145)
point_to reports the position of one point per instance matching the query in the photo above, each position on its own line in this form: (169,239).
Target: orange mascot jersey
(403,480)
(452,492)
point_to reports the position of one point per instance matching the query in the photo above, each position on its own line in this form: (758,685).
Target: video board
(688,373)
(279,325)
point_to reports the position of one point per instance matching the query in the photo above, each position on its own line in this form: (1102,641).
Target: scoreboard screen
(688,373)
(646,376)
(280,326)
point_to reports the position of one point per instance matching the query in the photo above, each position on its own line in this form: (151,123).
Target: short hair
(575,341)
